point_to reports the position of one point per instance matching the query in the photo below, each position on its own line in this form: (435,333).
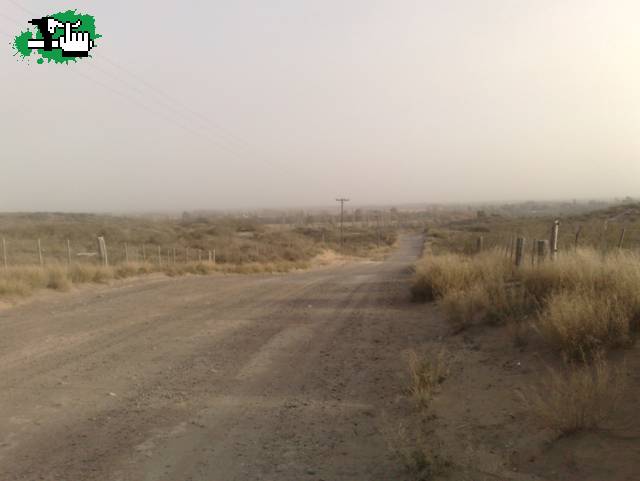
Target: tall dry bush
(583,322)
(578,398)
(438,275)
(582,301)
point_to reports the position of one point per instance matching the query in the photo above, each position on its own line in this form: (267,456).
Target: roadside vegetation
(581,303)
(580,397)
(427,372)
(190,244)
(580,309)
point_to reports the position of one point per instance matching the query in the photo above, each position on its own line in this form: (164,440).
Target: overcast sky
(251,103)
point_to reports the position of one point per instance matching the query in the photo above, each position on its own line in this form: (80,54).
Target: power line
(219,139)
(224,133)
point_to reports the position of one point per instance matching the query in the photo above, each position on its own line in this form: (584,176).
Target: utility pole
(342,201)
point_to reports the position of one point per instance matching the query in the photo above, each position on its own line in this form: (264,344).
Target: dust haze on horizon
(220,105)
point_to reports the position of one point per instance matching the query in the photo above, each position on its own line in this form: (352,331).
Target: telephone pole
(342,201)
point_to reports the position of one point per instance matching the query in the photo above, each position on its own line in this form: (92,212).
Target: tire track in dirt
(240,385)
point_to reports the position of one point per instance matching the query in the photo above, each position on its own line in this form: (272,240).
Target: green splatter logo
(61,37)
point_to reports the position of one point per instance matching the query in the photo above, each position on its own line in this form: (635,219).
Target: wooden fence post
(479,244)
(621,241)
(214,256)
(40,253)
(159,255)
(542,249)
(100,254)
(578,236)
(126,253)
(174,255)
(604,237)
(553,243)
(102,251)
(533,251)
(519,251)
(68,252)
(4,254)
(210,258)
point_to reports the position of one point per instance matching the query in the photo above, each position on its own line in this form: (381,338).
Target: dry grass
(241,245)
(580,398)
(421,453)
(427,373)
(22,281)
(582,302)
(584,322)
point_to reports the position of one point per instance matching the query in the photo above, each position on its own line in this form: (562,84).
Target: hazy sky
(249,103)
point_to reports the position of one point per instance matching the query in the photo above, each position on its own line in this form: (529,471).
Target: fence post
(533,251)
(126,253)
(621,241)
(214,256)
(604,237)
(4,254)
(210,258)
(479,244)
(68,252)
(519,251)
(578,236)
(553,243)
(159,255)
(102,251)
(40,253)
(542,249)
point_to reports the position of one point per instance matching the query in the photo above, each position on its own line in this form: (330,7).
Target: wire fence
(20,252)
(605,237)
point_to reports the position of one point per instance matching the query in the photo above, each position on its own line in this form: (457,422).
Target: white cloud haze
(291,103)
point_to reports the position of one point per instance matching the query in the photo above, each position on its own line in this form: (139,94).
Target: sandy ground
(480,424)
(286,377)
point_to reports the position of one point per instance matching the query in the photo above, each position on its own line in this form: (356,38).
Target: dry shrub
(421,453)
(427,373)
(58,279)
(580,398)
(435,276)
(583,269)
(438,275)
(463,307)
(583,301)
(83,273)
(14,288)
(123,271)
(580,323)
(21,281)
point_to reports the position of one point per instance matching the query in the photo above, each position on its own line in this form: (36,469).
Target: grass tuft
(427,373)
(580,398)
(581,303)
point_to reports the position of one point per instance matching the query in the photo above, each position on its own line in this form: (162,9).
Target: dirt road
(219,378)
